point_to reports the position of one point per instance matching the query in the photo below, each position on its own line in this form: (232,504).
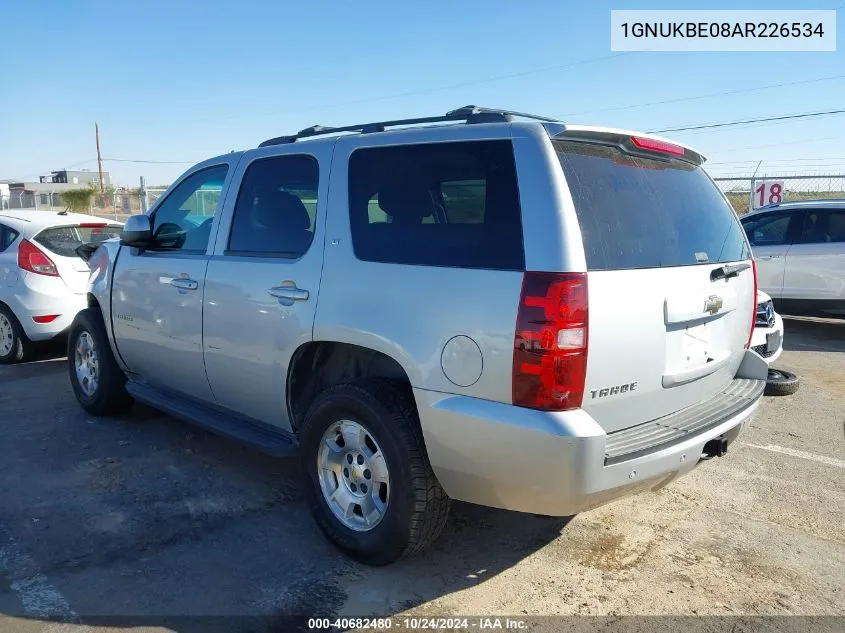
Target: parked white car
(767,341)
(800,252)
(42,280)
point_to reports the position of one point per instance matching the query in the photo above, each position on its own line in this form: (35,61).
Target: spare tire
(781,383)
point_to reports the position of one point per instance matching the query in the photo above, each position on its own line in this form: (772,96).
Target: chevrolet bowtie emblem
(713,304)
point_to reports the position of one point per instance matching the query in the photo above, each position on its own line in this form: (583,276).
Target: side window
(443,204)
(7,236)
(821,227)
(770,230)
(464,200)
(276,208)
(183,220)
(836,226)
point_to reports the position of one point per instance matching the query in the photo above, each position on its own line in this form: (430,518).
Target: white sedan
(43,281)
(767,341)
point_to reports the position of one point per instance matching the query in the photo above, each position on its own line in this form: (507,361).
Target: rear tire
(781,383)
(15,347)
(98,382)
(412,507)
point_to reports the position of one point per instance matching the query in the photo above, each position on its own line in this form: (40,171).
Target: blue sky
(179,81)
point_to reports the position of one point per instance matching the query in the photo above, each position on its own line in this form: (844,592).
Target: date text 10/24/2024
(420,623)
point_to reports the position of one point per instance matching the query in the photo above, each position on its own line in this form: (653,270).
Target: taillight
(550,345)
(753,304)
(31,258)
(655,145)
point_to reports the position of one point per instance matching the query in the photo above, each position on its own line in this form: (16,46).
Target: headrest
(280,208)
(406,202)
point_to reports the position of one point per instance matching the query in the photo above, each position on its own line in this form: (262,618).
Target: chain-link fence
(153,194)
(746,193)
(117,203)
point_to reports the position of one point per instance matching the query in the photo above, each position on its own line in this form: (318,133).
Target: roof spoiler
(630,142)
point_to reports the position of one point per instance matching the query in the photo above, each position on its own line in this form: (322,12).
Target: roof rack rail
(468,114)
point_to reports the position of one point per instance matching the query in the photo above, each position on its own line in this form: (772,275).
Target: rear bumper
(558,463)
(45,298)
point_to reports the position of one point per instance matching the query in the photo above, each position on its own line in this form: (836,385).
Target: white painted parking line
(38,597)
(822,459)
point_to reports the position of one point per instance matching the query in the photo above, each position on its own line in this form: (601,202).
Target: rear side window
(823,226)
(443,204)
(7,236)
(771,229)
(64,240)
(639,212)
(276,208)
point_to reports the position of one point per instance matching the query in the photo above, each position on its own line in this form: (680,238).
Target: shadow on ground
(802,334)
(47,357)
(143,520)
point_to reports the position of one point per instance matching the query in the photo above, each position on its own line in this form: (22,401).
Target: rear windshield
(63,240)
(640,212)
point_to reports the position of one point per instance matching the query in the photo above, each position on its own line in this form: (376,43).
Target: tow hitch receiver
(716,447)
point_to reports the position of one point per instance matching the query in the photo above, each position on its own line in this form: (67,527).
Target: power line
(475,82)
(153,162)
(780,144)
(751,126)
(422,91)
(82,162)
(42,173)
(708,126)
(780,160)
(706,96)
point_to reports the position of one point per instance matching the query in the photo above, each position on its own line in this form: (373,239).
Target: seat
(281,223)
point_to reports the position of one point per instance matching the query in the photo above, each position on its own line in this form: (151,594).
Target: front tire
(367,477)
(98,382)
(15,347)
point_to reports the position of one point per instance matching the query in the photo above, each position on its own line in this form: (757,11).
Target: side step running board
(262,437)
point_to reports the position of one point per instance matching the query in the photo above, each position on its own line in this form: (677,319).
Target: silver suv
(498,308)
(800,248)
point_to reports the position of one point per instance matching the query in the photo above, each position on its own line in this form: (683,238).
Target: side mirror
(137,232)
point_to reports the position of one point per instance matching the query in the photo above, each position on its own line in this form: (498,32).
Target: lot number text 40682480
(419,624)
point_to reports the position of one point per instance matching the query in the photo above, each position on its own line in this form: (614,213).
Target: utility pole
(99,159)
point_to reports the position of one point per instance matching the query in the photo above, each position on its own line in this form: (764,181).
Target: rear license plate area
(695,346)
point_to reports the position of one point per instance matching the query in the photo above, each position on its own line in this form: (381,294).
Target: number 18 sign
(767,192)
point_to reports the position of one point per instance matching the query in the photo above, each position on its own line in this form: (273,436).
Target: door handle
(291,293)
(184,284)
(769,257)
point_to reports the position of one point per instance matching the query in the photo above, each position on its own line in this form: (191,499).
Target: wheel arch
(94,304)
(318,365)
